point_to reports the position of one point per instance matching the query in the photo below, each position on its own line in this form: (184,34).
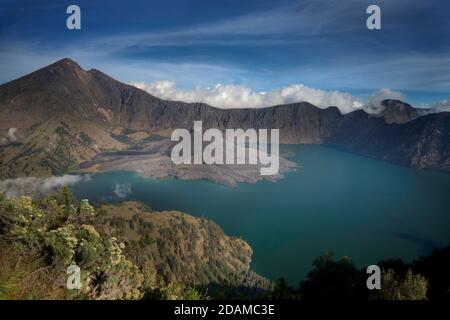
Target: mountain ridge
(65,115)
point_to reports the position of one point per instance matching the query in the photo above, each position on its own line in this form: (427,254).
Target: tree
(282,291)
(333,280)
(173,291)
(408,287)
(435,268)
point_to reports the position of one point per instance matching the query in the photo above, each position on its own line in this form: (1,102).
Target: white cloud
(38,186)
(305,20)
(10,137)
(121,190)
(239,96)
(373,103)
(442,106)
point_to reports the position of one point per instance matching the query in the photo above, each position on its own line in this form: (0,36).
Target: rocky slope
(182,248)
(153,161)
(62,115)
(421,143)
(395,111)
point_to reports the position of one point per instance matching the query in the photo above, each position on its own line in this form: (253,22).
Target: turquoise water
(336,201)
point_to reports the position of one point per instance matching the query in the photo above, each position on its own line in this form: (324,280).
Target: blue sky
(262,45)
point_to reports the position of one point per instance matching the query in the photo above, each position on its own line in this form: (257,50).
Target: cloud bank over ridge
(239,96)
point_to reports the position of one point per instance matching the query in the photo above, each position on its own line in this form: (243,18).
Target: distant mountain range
(63,115)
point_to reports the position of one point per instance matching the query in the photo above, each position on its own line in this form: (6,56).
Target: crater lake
(334,202)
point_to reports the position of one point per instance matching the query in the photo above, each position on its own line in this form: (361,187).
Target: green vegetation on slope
(182,248)
(128,251)
(41,238)
(124,251)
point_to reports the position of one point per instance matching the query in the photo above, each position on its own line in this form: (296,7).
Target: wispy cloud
(373,103)
(10,137)
(37,187)
(322,44)
(307,20)
(122,190)
(441,106)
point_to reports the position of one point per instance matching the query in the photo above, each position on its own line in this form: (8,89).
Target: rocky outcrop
(395,111)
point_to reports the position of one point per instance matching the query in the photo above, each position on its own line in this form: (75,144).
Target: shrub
(63,233)
(408,287)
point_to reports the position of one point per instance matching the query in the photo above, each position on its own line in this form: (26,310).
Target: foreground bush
(40,239)
(26,277)
(62,233)
(408,287)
